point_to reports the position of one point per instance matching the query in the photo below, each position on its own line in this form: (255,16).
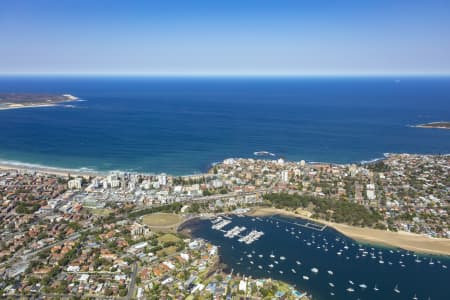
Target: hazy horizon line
(225,74)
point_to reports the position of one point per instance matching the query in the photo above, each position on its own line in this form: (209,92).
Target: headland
(19,100)
(436,125)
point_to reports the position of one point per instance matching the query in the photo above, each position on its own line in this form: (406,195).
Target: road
(216,197)
(26,257)
(132,282)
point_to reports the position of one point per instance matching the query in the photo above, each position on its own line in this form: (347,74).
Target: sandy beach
(48,170)
(404,240)
(20,106)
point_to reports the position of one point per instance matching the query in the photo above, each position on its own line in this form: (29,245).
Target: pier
(309,225)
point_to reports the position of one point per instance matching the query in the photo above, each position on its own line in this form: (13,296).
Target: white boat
(350,290)
(330,272)
(276,262)
(271,255)
(298,263)
(331,284)
(293,271)
(375,288)
(315,270)
(351,282)
(270,266)
(281,272)
(363,286)
(415,297)
(396,289)
(259,267)
(260,256)
(305,277)
(431,262)
(263,153)
(332,294)
(282,258)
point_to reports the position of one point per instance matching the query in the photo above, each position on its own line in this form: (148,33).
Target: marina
(323,262)
(235,231)
(253,236)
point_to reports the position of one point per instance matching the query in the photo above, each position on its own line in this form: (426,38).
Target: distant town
(117,235)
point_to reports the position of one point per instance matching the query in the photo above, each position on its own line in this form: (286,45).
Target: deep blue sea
(182,125)
(361,267)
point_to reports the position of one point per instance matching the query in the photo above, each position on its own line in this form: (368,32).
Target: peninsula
(118,233)
(19,100)
(437,125)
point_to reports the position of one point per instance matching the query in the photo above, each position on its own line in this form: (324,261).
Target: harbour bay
(324,262)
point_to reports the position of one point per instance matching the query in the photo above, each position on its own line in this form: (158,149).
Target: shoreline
(27,106)
(48,170)
(434,125)
(83,171)
(404,240)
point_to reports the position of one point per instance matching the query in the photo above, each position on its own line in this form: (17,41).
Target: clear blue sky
(225,36)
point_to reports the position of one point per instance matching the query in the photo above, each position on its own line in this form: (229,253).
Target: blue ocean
(182,125)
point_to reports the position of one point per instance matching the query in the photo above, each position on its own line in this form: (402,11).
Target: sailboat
(415,297)
(375,288)
(396,289)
